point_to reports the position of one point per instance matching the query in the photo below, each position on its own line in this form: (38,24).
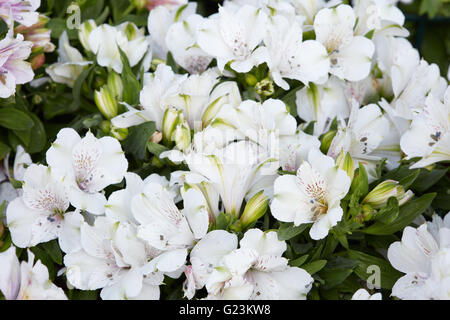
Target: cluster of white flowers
(365,89)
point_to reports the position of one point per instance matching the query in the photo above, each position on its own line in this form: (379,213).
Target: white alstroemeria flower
(236,172)
(313,195)
(294,149)
(105,41)
(205,256)
(424,256)
(160,20)
(322,103)
(362,135)
(21,161)
(113,259)
(264,124)
(118,207)
(309,8)
(234,36)
(362,294)
(255,271)
(162,225)
(24,12)
(14,69)
(429,135)
(26,280)
(169,4)
(157,87)
(350,55)
(70,63)
(270,7)
(193,97)
(411,92)
(181,40)
(290,57)
(88,165)
(39,215)
(380,16)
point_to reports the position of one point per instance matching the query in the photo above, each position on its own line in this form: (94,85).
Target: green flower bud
(182,136)
(346,163)
(379,196)
(139,4)
(85,30)
(115,85)
(326,141)
(119,133)
(265,87)
(170,122)
(106,102)
(256,207)
(251,80)
(105,126)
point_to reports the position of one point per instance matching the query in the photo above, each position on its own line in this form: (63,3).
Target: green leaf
(407,181)
(53,250)
(131,85)
(136,142)
(290,100)
(77,88)
(15,119)
(38,139)
(299,261)
(314,266)
(4,150)
(408,212)
(288,231)
(388,275)
(427,179)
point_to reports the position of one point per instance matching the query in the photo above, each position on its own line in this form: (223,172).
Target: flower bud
(106,102)
(379,196)
(256,207)
(251,80)
(85,30)
(38,61)
(182,136)
(346,163)
(170,122)
(326,140)
(156,137)
(265,87)
(105,126)
(115,85)
(119,133)
(139,4)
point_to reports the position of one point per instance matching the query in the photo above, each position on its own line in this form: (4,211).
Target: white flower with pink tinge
(14,69)
(21,11)
(88,165)
(39,215)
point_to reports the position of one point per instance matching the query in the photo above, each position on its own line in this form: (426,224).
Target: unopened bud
(182,136)
(106,102)
(156,137)
(251,80)
(379,196)
(346,163)
(170,122)
(105,126)
(115,85)
(85,30)
(326,140)
(256,207)
(265,87)
(38,61)
(119,133)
